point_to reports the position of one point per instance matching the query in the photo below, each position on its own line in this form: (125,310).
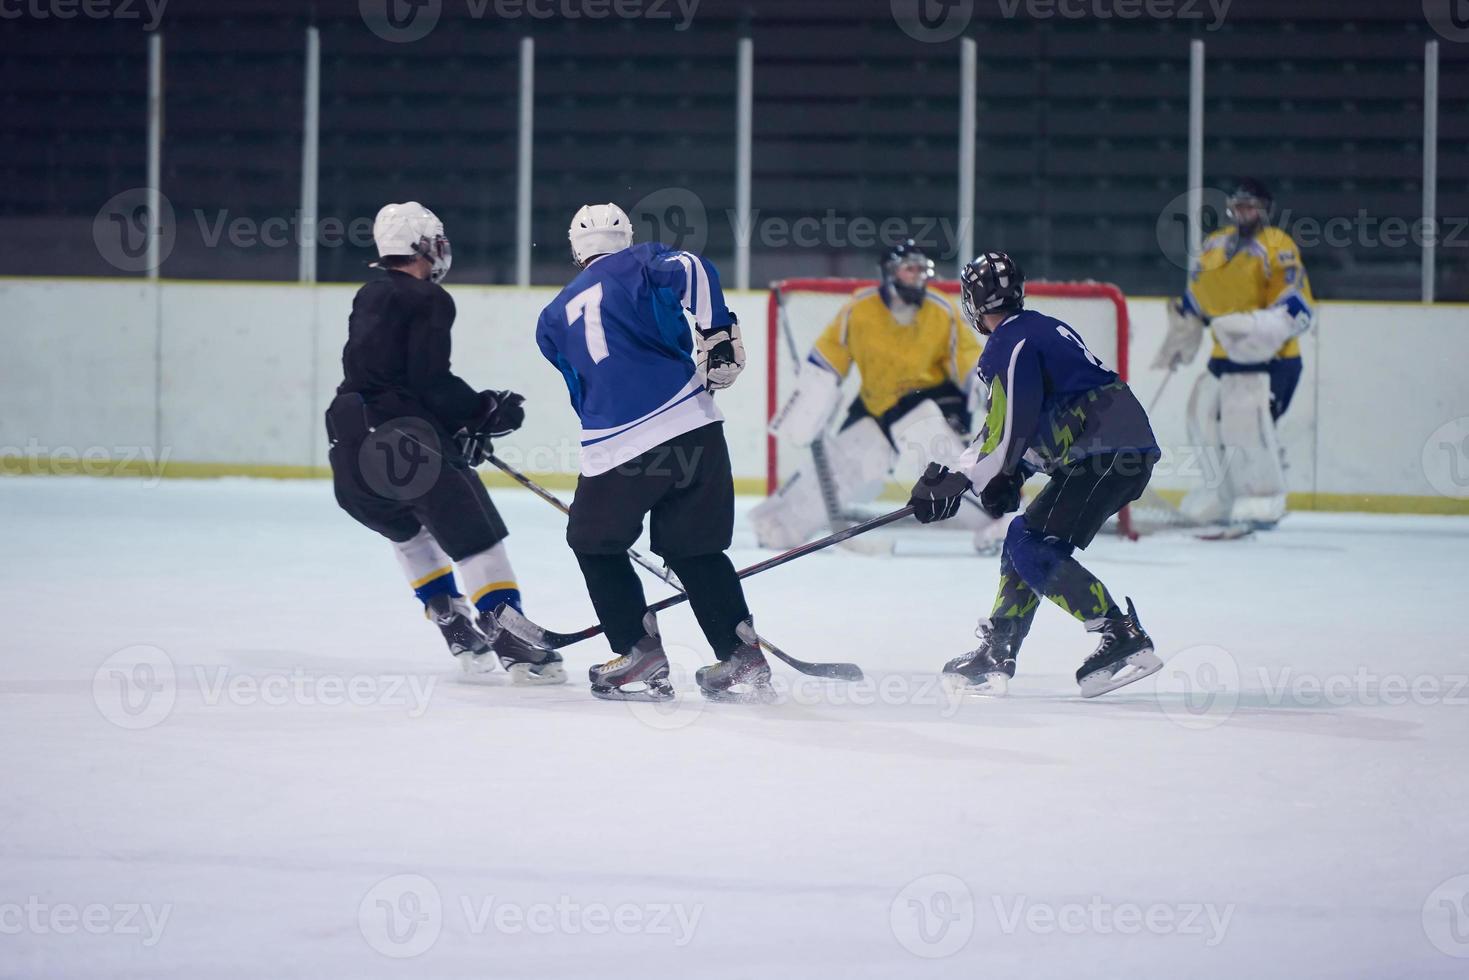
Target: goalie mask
(992,283)
(412,229)
(906,271)
(1249,206)
(598,229)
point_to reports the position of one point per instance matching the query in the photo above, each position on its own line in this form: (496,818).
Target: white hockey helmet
(599,229)
(412,229)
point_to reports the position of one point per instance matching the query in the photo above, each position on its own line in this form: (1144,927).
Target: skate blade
(742,694)
(995,685)
(1134,668)
(525,676)
(646,693)
(476,665)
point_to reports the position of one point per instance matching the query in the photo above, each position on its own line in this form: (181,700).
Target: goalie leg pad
(1208,504)
(860,457)
(1256,479)
(922,436)
(806,413)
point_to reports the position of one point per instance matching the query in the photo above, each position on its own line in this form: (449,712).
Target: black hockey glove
(500,413)
(937,493)
(1002,494)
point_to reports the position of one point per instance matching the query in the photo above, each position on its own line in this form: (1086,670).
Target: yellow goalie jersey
(1241,277)
(895,358)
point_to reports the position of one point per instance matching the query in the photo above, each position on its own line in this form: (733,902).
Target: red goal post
(1097,310)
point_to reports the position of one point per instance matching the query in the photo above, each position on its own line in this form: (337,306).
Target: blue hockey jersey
(1051,402)
(618,336)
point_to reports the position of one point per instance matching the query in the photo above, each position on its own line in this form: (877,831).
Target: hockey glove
(1185,335)
(500,413)
(721,355)
(937,493)
(1001,495)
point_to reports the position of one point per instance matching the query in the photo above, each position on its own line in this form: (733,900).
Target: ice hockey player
(1054,408)
(1250,287)
(652,446)
(405,433)
(916,362)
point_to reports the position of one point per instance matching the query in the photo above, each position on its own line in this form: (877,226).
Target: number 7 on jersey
(587,305)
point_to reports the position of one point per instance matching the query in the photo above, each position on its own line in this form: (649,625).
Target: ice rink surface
(233,747)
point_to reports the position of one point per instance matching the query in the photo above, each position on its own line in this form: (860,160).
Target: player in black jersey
(405,434)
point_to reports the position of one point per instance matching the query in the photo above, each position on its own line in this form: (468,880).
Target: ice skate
(987,670)
(1124,655)
(526,664)
(454,617)
(641,674)
(743,678)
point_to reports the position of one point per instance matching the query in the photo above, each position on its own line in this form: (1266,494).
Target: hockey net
(799,309)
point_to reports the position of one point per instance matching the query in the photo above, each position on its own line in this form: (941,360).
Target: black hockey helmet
(992,283)
(906,254)
(1251,193)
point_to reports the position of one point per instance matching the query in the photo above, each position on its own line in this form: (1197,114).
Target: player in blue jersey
(652,446)
(1054,408)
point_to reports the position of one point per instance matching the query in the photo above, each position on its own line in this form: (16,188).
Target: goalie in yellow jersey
(916,360)
(1248,286)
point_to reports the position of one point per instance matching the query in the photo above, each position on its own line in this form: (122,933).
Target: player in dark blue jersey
(1054,408)
(652,446)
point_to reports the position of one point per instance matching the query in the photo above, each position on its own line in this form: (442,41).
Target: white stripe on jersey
(981,470)
(696,286)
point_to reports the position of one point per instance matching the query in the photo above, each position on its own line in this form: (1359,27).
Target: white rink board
(248,370)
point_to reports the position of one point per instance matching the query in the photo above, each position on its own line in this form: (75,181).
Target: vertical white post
(310,157)
(155,153)
(1196,151)
(744,165)
(523,160)
(968,106)
(1430,167)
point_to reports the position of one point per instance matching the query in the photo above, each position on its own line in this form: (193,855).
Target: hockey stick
(840,671)
(551,640)
(825,481)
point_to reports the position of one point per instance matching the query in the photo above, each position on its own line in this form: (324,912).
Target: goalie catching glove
(500,413)
(721,354)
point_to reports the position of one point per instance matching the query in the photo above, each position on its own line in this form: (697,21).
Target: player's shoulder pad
(930,296)
(1219,237)
(1280,245)
(651,251)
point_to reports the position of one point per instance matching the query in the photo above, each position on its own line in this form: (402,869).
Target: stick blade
(535,635)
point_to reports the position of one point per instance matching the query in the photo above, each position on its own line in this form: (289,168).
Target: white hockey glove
(806,413)
(721,355)
(1185,334)
(1254,337)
